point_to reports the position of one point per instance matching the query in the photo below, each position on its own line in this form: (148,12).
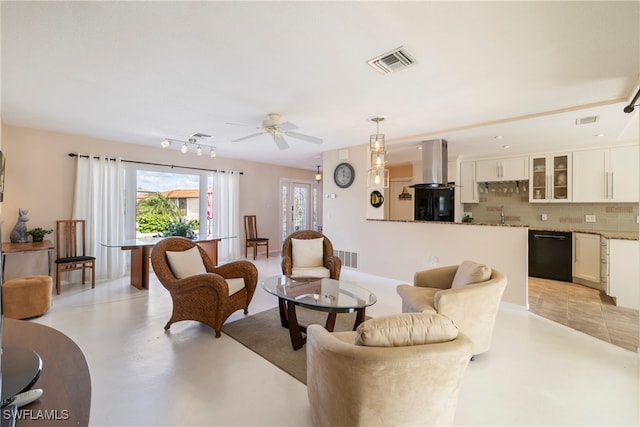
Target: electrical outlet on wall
(544,217)
(433,261)
(589,218)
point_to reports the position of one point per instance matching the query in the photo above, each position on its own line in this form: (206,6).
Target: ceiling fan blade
(248,136)
(304,137)
(280,142)
(287,126)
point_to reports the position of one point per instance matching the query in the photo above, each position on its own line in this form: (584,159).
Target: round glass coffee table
(321,294)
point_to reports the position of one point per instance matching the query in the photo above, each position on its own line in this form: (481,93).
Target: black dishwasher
(550,255)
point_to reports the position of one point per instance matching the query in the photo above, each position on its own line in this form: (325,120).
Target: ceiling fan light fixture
(278,129)
(184,148)
(165,143)
(199,151)
(212,152)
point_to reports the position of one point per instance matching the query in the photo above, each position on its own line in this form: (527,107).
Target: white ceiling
(138,72)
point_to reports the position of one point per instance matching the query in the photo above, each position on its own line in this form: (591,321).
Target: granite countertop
(621,235)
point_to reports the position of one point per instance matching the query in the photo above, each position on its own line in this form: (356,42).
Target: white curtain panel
(99,199)
(226,222)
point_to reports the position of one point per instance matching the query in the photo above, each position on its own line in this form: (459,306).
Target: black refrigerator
(434,203)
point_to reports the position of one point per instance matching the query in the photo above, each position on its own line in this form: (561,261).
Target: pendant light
(377,176)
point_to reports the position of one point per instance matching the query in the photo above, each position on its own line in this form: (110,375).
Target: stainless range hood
(434,164)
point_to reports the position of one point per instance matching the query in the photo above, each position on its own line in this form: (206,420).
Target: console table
(18,248)
(65,377)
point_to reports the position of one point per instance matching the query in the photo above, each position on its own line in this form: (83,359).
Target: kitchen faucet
(501,214)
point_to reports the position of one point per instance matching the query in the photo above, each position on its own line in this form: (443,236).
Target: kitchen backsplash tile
(570,216)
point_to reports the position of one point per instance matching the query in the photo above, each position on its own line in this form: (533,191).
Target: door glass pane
(285,212)
(560,177)
(210,210)
(539,188)
(316,210)
(300,207)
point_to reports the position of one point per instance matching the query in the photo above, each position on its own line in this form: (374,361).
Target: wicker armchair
(329,261)
(203,297)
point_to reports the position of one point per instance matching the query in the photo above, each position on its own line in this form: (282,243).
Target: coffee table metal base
(289,319)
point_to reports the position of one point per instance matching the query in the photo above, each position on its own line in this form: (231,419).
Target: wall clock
(343,175)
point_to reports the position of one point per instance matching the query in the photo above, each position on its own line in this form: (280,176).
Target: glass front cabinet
(550,180)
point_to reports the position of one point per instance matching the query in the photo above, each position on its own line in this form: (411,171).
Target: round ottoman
(26,297)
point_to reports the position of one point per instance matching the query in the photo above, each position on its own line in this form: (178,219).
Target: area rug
(263,334)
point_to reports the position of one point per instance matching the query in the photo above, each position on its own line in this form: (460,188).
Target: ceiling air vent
(392,61)
(586,120)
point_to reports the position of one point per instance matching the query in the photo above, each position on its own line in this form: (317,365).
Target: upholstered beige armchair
(201,291)
(401,370)
(468,294)
(308,253)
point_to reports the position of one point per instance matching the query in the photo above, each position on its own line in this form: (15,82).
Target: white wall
(40,177)
(398,249)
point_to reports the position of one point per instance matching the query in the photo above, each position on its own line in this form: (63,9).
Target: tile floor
(585,309)
(538,372)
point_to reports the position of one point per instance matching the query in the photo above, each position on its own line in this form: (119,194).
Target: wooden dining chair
(251,236)
(71,250)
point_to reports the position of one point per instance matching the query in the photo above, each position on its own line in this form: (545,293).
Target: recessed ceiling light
(498,137)
(600,134)
(506,146)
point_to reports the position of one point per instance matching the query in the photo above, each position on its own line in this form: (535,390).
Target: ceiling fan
(277,128)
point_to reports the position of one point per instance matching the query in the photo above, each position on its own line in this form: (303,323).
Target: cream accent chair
(308,253)
(386,373)
(468,294)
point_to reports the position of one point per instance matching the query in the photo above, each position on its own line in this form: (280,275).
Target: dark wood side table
(65,376)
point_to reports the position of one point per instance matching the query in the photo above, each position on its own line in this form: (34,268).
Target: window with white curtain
(209,197)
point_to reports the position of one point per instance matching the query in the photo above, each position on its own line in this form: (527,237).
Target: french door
(301,210)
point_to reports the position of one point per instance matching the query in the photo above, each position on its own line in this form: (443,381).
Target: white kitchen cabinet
(507,169)
(624,272)
(550,180)
(606,175)
(468,184)
(586,259)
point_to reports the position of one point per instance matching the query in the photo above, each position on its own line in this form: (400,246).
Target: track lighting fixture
(193,140)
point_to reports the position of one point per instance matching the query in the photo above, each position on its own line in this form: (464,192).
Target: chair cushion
(307,252)
(406,329)
(470,272)
(81,258)
(186,263)
(235,285)
(310,272)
